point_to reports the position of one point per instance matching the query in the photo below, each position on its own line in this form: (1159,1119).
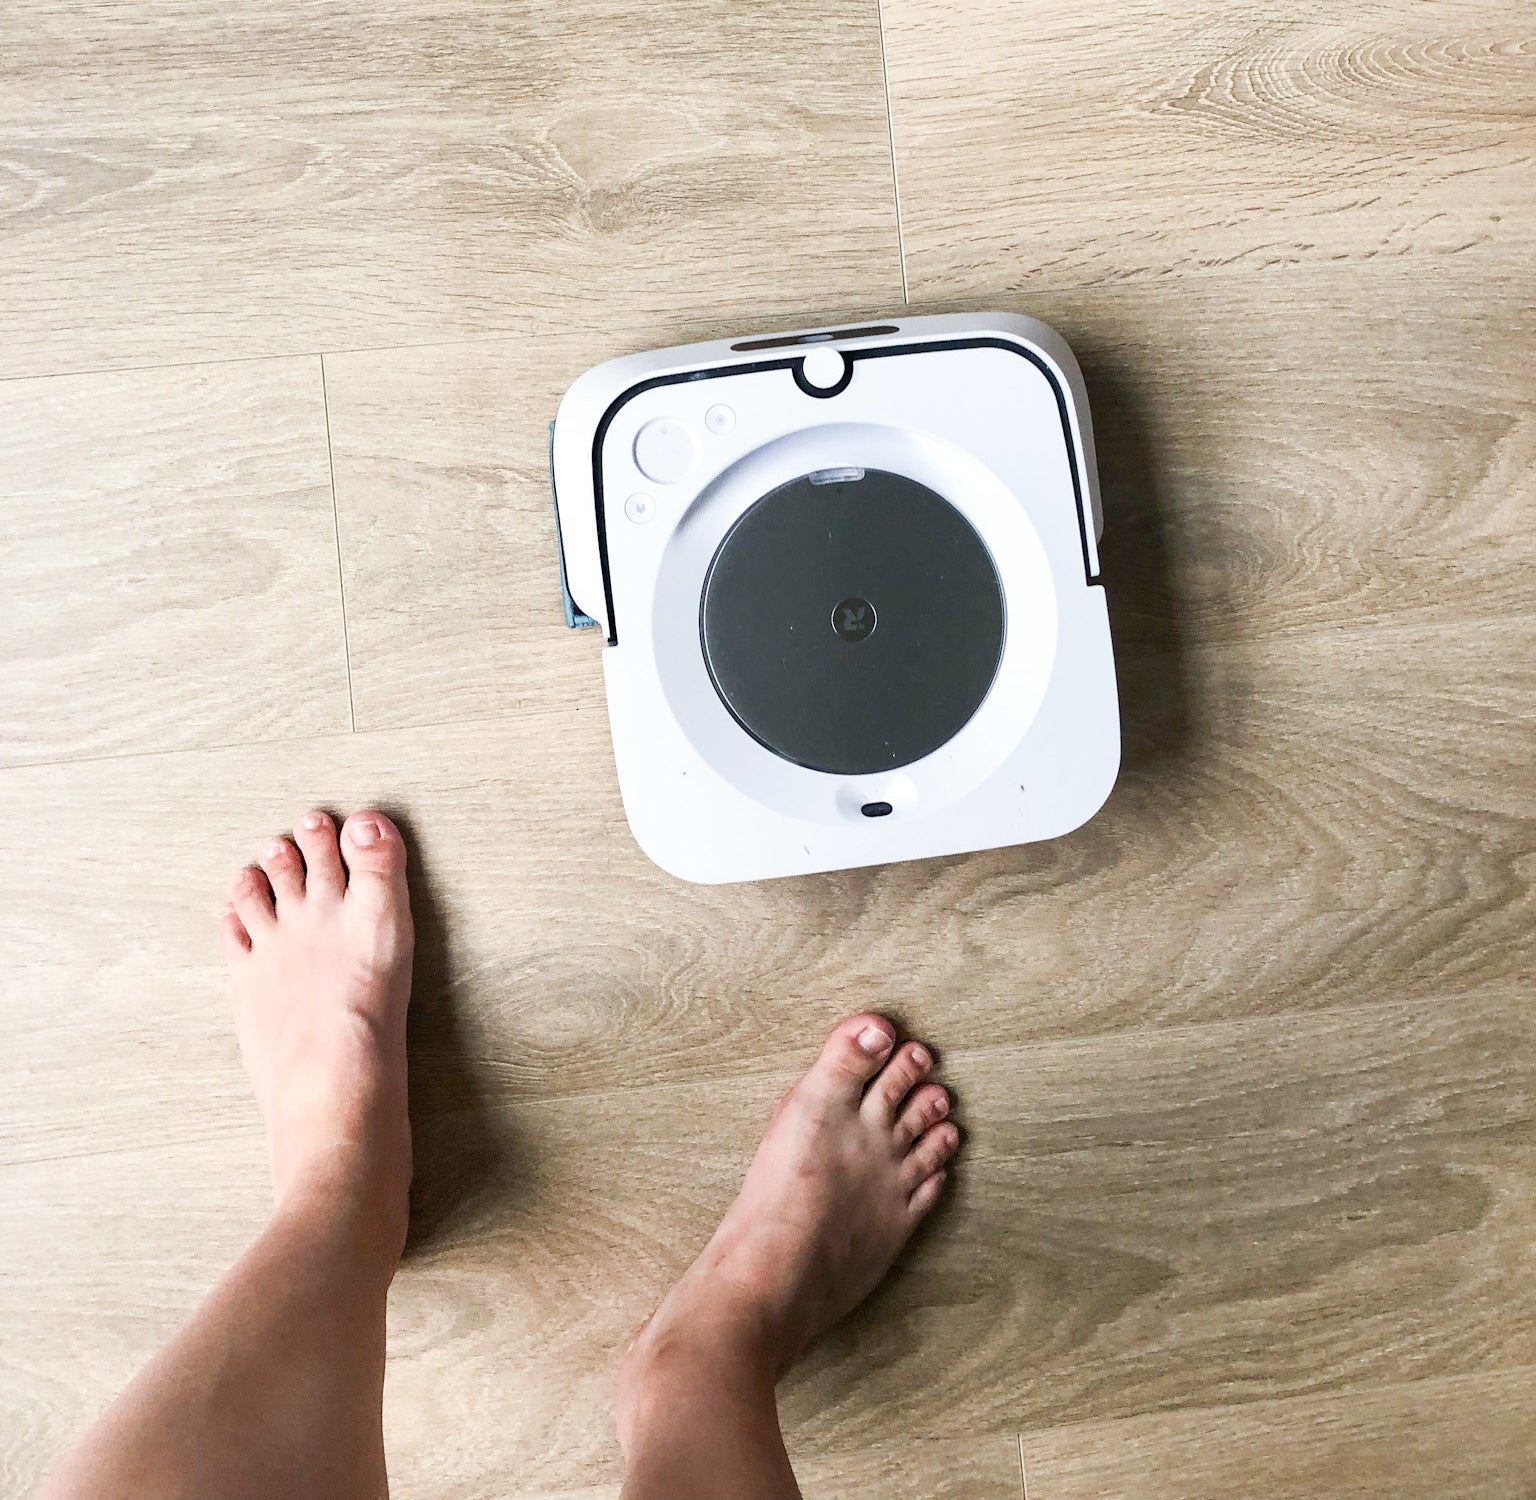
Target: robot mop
(849,582)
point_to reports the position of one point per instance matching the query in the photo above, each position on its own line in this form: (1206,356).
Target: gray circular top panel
(852,621)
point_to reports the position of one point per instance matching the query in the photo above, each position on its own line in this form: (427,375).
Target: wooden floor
(287,298)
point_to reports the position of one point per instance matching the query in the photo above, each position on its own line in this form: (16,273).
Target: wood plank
(1469,1435)
(448,526)
(170,572)
(1244,1210)
(1186,139)
(961,1468)
(321,174)
(1259,1207)
(1313,453)
(1350,826)
(1340,464)
(106,1254)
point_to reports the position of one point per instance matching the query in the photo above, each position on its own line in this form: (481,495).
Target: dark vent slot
(876,809)
(814,338)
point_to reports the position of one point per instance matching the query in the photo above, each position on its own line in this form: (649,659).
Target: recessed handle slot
(751,345)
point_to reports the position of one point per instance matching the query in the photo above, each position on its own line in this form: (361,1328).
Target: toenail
(874,1041)
(941,1105)
(920,1058)
(276,849)
(364,832)
(312,821)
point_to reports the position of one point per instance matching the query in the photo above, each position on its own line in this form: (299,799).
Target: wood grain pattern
(969,1468)
(1232,1212)
(1343,830)
(1247,1065)
(1323,452)
(1343,464)
(485,1396)
(1242,1211)
(1465,1436)
(984,1467)
(1195,138)
(169,576)
(320,175)
(447,525)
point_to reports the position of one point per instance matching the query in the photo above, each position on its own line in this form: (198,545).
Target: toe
(934,1147)
(251,898)
(920,1204)
(925,1106)
(284,870)
(374,853)
(324,873)
(233,938)
(897,1079)
(850,1058)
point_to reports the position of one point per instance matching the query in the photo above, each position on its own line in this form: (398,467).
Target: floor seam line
(216,747)
(890,135)
(1023,1469)
(341,577)
(159,364)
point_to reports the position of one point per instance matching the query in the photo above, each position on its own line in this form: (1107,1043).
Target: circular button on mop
(823,368)
(640,509)
(719,419)
(665,450)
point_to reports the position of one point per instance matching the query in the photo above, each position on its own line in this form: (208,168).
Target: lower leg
(853,1160)
(275,1384)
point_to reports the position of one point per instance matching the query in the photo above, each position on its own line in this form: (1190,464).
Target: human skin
(275,1384)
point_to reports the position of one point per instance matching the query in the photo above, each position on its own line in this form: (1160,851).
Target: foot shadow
(1158,712)
(461,1147)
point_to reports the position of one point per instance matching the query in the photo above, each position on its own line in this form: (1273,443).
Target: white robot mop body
(849,581)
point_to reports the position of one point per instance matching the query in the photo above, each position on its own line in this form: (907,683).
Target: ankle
(345,1196)
(689,1360)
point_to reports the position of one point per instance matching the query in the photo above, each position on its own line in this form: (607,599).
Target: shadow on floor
(1158,717)
(461,1146)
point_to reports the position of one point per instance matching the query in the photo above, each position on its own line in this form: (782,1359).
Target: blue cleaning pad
(573,616)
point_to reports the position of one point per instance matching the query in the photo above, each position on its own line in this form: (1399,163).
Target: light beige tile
(312,177)
(170,571)
(1469,1435)
(1180,139)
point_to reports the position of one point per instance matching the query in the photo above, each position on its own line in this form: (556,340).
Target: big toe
(374,853)
(851,1057)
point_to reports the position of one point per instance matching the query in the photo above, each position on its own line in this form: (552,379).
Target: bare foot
(853,1160)
(319,942)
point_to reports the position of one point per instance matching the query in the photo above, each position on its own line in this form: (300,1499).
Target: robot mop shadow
(461,1148)
(1157,712)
